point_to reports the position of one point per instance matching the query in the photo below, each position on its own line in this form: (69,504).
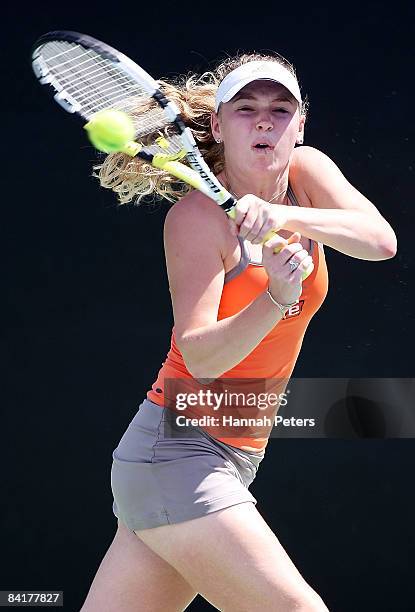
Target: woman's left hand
(256,220)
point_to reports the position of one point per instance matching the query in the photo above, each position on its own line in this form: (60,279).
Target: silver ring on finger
(293,265)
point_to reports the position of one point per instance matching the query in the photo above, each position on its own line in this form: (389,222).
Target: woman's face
(261,113)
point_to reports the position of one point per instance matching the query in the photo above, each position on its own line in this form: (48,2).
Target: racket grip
(231,213)
(277,249)
(306,273)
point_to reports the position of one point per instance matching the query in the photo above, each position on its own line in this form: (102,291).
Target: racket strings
(97,83)
(91,80)
(173,145)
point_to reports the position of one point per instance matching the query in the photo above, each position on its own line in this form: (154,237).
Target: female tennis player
(187,522)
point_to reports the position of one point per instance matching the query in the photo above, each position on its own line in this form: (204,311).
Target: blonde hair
(131,177)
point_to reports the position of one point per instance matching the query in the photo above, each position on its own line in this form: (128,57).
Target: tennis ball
(110,130)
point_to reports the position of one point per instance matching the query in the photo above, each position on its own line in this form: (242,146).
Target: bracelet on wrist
(283,308)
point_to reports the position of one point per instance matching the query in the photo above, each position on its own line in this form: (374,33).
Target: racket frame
(198,175)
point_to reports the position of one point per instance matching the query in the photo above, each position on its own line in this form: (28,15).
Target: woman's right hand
(285,284)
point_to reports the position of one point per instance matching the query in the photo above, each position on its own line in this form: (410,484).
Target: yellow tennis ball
(110,130)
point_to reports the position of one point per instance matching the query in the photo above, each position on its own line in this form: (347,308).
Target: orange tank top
(269,366)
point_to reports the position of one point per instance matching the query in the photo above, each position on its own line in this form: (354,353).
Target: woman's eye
(275,110)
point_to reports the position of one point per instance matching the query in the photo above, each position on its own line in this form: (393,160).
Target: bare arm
(218,347)
(352,232)
(341,217)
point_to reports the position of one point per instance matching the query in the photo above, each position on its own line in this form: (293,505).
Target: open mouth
(263,147)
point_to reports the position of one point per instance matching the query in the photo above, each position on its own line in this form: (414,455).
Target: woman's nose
(264,124)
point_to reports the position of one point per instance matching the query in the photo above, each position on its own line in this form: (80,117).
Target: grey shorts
(159,479)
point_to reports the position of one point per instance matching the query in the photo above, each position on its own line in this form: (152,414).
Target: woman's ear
(215,127)
(300,135)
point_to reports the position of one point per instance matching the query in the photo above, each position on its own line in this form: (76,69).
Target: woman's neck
(272,190)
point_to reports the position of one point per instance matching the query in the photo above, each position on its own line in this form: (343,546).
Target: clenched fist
(257,221)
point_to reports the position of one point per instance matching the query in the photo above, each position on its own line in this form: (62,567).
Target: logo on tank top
(295,310)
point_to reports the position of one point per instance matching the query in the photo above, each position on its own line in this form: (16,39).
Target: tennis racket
(87,77)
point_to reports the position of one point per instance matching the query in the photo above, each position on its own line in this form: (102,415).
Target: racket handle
(310,268)
(231,213)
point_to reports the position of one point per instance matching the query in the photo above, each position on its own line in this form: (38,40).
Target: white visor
(252,71)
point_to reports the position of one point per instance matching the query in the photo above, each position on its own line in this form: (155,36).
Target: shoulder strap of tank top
(291,196)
